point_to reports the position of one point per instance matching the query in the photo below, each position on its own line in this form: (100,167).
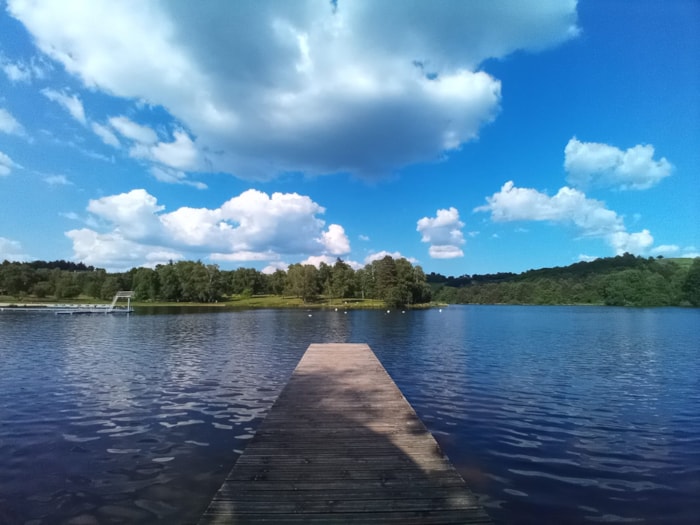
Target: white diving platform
(71,309)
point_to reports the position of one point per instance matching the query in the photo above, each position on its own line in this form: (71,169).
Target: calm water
(552,414)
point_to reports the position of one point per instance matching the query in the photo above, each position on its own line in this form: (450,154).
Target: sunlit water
(551,414)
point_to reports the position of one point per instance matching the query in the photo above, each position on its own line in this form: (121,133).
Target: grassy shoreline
(235,302)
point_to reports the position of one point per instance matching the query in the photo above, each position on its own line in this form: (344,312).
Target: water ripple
(569,415)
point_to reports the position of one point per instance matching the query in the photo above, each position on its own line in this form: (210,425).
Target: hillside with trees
(625,280)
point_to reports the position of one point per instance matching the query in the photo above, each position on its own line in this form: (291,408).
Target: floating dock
(71,309)
(342,445)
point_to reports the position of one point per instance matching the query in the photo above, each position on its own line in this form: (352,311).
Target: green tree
(278,282)
(691,284)
(145,284)
(342,280)
(302,281)
(170,289)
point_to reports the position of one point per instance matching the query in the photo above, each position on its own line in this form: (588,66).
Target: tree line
(624,280)
(396,282)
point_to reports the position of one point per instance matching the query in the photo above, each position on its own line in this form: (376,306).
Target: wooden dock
(342,445)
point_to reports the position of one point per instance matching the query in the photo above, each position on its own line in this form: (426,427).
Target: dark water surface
(552,414)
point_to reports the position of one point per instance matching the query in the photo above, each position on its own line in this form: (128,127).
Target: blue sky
(468,137)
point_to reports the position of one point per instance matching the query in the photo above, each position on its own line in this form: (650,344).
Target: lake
(551,414)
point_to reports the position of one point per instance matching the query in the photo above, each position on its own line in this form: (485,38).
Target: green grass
(237,301)
(683,262)
(275,301)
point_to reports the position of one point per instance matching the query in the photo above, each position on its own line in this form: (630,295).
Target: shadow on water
(342,445)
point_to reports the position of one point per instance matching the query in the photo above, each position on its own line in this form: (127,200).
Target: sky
(468,137)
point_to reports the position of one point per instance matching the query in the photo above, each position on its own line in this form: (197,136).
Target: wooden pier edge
(341,444)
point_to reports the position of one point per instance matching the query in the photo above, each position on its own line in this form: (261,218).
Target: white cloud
(394,255)
(587,258)
(70,103)
(106,134)
(568,206)
(310,87)
(134,214)
(21,71)
(252,226)
(115,253)
(11,250)
(6,164)
(600,165)
(316,260)
(666,249)
(8,123)
(443,233)
(170,158)
(363,238)
(71,215)
(171,176)
(242,256)
(131,130)
(180,154)
(274,266)
(17,72)
(57,180)
(335,240)
(445,251)
(630,242)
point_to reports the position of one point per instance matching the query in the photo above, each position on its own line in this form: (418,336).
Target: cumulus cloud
(274,266)
(335,240)
(252,226)
(316,260)
(11,250)
(6,164)
(394,255)
(180,154)
(116,253)
(443,233)
(9,124)
(592,164)
(70,103)
(568,206)
(170,159)
(313,86)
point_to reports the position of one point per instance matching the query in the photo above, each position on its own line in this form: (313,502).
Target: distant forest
(625,280)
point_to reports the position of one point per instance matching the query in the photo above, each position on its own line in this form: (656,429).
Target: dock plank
(342,445)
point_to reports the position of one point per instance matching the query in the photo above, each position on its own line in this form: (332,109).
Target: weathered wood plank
(342,445)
